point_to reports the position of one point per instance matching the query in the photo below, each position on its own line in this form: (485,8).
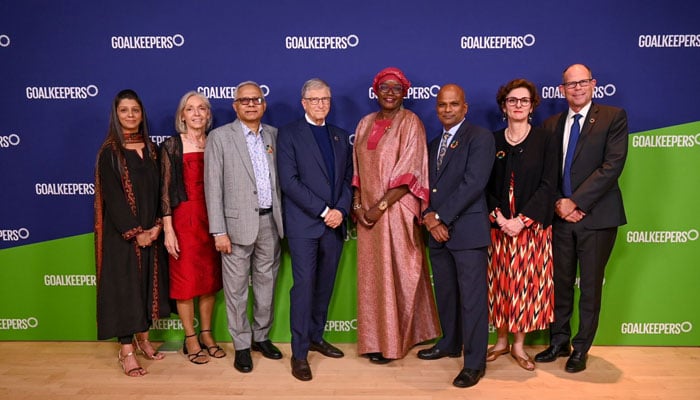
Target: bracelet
(356,206)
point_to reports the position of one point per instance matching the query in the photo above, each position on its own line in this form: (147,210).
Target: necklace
(514,141)
(195,143)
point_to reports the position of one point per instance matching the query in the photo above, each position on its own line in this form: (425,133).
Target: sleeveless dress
(198,270)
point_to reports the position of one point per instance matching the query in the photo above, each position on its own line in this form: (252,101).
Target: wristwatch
(437,217)
(383,205)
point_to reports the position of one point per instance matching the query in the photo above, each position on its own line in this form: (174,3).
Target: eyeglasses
(524,101)
(384,88)
(583,83)
(250,100)
(316,100)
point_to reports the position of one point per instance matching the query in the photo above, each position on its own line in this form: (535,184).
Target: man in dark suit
(245,217)
(460,162)
(593,149)
(315,169)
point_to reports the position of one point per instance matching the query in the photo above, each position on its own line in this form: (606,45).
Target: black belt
(264,211)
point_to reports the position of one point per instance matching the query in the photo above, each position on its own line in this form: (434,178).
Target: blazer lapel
(309,142)
(586,129)
(241,146)
(270,154)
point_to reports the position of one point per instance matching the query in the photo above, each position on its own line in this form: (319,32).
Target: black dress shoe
(243,362)
(378,358)
(434,353)
(468,377)
(301,369)
(326,349)
(267,349)
(577,362)
(552,352)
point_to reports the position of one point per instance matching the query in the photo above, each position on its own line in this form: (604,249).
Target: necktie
(443,148)
(570,149)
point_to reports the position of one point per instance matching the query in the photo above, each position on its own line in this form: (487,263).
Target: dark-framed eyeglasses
(395,89)
(524,101)
(256,101)
(583,83)
(315,100)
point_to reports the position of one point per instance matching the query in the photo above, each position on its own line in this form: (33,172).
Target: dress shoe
(301,369)
(435,353)
(577,362)
(326,349)
(243,362)
(378,358)
(468,377)
(492,354)
(552,352)
(267,349)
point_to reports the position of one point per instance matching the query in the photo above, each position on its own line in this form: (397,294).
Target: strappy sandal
(492,354)
(195,358)
(134,372)
(525,363)
(214,351)
(154,355)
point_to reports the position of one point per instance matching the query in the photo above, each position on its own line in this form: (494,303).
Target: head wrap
(391,73)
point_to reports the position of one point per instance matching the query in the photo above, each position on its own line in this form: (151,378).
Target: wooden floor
(89,370)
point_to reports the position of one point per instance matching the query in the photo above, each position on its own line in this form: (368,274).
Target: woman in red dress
(521,200)
(195,265)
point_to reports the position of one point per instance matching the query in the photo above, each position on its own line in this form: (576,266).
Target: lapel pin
(500,154)
(592,120)
(268,149)
(454,144)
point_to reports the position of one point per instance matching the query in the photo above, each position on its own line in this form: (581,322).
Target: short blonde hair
(180,126)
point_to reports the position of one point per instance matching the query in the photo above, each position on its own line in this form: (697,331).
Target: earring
(529,117)
(505,116)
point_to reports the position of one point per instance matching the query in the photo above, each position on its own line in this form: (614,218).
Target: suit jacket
(229,183)
(457,191)
(599,157)
(305,180)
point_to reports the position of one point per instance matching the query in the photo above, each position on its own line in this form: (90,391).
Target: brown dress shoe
(301,369)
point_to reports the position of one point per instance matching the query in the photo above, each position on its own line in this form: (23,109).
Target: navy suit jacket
(304,179)
(599,157)
(457,191)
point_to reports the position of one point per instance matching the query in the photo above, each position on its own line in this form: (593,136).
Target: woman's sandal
(152,353)
(195,358)
(134,372)
(214,351)
(492,354)
(524,363)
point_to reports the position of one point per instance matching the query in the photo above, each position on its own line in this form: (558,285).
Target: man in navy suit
(315,168)
(593,149)
(460,162)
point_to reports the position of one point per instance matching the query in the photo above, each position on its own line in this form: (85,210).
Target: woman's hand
(143,239)
(171,244)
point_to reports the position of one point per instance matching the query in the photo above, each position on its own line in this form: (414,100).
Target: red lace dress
(198,269)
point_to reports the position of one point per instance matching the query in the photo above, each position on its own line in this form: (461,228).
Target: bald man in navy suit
(593,142)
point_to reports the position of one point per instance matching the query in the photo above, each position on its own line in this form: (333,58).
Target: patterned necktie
(570,149)
(443,148)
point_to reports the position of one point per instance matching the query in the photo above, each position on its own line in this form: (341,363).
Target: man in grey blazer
(245,217)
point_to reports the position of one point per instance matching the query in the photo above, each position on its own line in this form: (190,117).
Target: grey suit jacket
(229,183)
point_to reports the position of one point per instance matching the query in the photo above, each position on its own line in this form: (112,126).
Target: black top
(533,165)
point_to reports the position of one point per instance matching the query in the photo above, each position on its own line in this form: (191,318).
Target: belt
(264,211)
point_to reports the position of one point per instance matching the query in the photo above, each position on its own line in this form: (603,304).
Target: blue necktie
(570,149)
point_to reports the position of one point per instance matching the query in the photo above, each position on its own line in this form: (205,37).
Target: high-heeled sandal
(134,372)
(217,352)
(152,355)
(195,358)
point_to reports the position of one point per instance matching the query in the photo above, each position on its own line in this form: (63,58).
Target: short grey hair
(247,83)
(314,83)
(180,125)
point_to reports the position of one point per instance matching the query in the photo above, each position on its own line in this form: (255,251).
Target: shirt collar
(309,120)
(455,128)
(247,130)
(583,111)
